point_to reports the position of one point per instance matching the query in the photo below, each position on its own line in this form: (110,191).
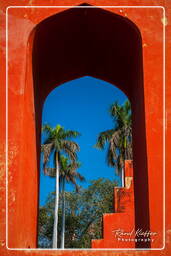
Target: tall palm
(119,139)
(68,174)
(57,141)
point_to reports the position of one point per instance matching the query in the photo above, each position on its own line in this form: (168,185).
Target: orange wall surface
(122,219)
(23,178)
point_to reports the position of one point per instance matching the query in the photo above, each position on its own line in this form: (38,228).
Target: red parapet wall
(122,221)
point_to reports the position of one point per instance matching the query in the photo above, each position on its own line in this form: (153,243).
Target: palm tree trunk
(63,215)
(55,226)
(123,177)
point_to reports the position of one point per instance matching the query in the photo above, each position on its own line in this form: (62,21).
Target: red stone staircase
(117,226)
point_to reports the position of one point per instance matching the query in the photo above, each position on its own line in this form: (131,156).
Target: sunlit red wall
(23,176)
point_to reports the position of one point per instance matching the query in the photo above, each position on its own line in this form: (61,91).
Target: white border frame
(164,127)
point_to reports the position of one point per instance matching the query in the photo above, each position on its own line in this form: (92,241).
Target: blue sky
(82,105)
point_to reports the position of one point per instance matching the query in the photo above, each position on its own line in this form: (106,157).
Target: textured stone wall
(23,173)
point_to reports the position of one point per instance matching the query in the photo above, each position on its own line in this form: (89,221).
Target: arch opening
(81,105)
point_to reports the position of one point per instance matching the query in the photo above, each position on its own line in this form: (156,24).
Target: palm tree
(68,174)
(57,141)
(119,138)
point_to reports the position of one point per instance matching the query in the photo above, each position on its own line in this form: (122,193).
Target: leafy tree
(83,214)
(119,139)
(57,141)
(45,228)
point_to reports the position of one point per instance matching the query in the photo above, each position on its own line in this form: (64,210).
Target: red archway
(95,42)
(65,46)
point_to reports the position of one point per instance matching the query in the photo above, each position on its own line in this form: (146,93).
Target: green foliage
(83,213)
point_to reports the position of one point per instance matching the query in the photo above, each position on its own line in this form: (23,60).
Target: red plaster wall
(22,171)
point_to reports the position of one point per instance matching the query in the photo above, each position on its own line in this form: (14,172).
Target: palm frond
(46,149)
(72,145)
(114,109)
(127,107)
(110,158)
(47,128)
(51,172)
(70,148)
(80,177)
(72,179)
(103,138)
(71,134)
(114,141)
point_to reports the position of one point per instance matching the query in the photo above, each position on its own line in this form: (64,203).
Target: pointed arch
(94,42)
